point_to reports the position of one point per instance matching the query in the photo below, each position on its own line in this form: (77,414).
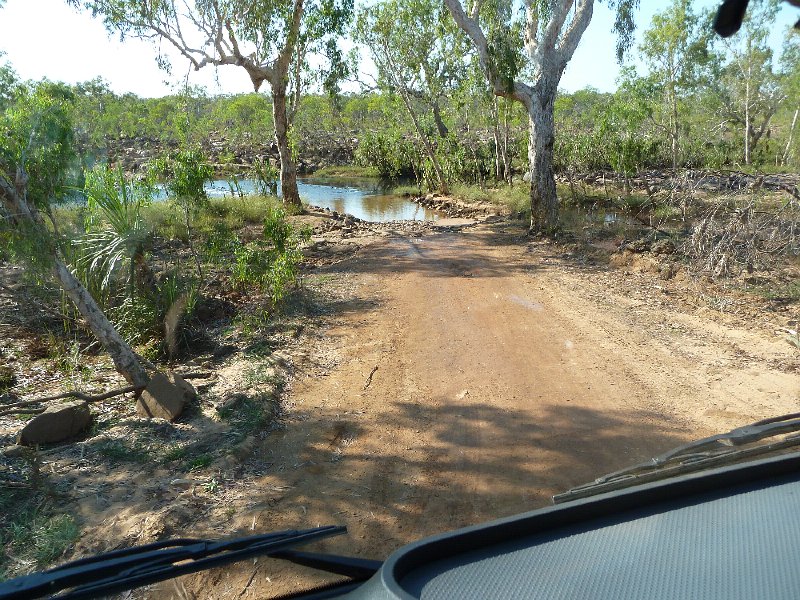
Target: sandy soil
(465,376)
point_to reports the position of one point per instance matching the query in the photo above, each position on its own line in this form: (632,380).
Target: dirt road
(467,376)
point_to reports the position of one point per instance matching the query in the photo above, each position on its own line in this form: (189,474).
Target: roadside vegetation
(122,266)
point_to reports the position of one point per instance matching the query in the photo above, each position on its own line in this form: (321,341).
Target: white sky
(46,38)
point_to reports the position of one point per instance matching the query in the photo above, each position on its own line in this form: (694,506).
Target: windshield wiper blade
(713,451)
(132,567)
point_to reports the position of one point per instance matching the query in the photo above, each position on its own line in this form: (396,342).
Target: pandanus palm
(110,257)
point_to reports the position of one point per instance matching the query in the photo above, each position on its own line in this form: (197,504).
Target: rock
(231,401)
(187,389)
(59,422)
(639,245)
(15,451)
(663,247)
(165,397)
(527,177)
(183,484)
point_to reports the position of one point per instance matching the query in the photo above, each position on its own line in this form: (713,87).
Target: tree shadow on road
(422,468)
(438,255)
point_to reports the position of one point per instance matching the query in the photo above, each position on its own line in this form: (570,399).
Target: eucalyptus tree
(675,49)
(790,83)
(747,86)
(270,40)
(523,53)
(8,83)
(420,55)
(36,163)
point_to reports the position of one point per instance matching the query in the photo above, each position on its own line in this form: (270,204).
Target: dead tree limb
(369,379)
(21,406)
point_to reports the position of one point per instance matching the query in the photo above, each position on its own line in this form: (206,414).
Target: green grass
(165,219)
(32,533)
(250,414)
(8,378)
(788,292)
(117,451)
(406,190)
(260,374)
(200,462)
(471,193)
(69,219)
(631,203)
(515,197)
(174,453)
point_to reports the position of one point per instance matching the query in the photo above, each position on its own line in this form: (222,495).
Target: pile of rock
(165,397)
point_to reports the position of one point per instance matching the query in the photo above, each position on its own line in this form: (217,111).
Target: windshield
(398,267)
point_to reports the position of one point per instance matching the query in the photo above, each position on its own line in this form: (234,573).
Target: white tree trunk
(544,199)
(548,51)
(788,148)
(126,361)
(289,191)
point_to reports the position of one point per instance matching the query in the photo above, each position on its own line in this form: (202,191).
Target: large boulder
(165,397)
(58,423)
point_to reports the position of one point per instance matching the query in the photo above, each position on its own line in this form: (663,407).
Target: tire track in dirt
(502,378)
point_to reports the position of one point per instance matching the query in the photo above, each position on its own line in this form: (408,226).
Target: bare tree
(525,61)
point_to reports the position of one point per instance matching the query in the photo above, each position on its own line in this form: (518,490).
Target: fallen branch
(23,411)
(198,375)
(369,379)
(19,407)
(15,485)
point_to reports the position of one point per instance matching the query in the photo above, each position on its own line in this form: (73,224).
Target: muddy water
(365,199)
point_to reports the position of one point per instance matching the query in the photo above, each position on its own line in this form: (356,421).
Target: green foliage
(505,53)
(265,177)
(269,263)
(624,24)
(394,156)
(36,129)
(389,153)
(9,81)
(626,149)
(272,262)
(416,45)
(116,237)
(185,173)
(37,144)
(111,257)
(464,159)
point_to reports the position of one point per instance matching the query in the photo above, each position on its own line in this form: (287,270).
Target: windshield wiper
(714,451)
(121,570)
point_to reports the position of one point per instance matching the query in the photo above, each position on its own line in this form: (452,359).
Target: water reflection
(365,199)
(377,208)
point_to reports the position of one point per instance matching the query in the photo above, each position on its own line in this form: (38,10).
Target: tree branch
(520,91)
(572,36)
(556,23)
(19,407)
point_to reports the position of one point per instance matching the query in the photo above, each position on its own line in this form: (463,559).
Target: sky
(46,38)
